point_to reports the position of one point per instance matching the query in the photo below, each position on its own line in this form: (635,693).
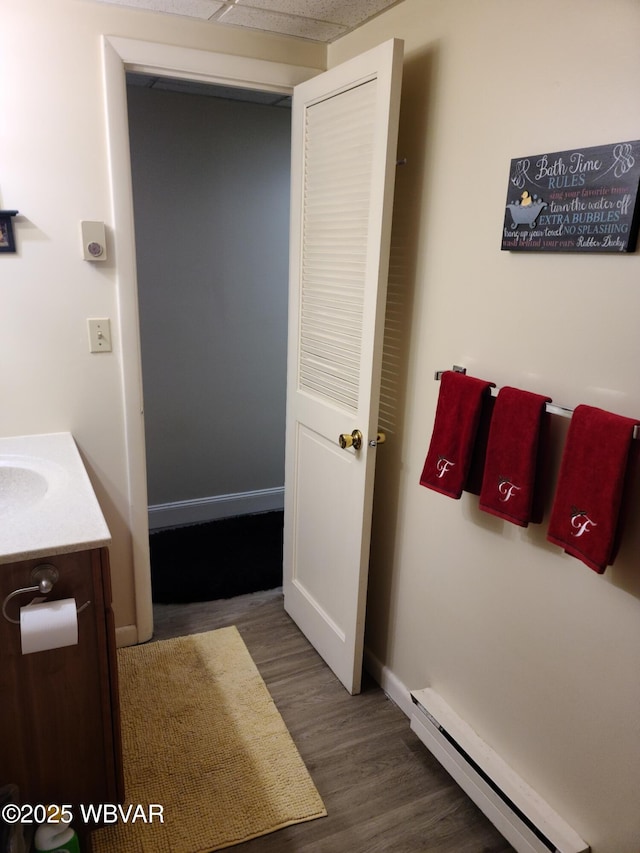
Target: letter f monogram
(443,465)
(581,521)
(507,489)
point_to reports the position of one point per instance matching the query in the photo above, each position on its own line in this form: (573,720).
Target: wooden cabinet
(59,713)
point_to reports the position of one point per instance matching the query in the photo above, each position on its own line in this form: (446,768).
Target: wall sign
(581,200)
(7,240)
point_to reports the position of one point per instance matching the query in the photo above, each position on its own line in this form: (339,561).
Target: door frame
(119,56)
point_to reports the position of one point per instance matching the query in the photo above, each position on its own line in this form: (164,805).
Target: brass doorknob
(350,440)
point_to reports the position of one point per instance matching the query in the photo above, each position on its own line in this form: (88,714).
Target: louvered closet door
(343,166)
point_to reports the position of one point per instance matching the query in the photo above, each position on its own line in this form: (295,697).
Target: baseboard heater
(528,823)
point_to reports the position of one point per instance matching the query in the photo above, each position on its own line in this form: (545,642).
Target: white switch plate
(99,334)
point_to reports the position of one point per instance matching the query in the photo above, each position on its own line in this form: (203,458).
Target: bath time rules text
(580,200)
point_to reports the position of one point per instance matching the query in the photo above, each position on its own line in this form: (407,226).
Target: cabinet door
(57,737)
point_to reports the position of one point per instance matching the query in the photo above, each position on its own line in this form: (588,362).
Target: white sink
(24,481)
(47,503)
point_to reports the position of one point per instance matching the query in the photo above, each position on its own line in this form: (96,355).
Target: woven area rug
(203,739)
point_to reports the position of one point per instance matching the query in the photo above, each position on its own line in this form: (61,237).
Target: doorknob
(379,439)
(354,440)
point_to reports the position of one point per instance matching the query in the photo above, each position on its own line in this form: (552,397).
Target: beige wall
(54,170)
(533,649)
(538,653)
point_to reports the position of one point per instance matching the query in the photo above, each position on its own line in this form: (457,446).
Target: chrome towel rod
(552,408)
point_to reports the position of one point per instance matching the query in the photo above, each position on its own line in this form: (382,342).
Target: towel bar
(552,408)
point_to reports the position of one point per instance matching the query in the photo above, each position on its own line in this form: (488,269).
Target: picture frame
(7,238)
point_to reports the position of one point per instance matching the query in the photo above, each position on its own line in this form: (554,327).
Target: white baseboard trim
(199,510)
(127,635)
(390,683)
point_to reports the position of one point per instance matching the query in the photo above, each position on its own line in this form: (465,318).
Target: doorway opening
(121,55)
(210,174)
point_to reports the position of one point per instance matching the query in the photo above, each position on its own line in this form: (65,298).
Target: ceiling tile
(345,12)
(192,8)
(317,20)
(277,22)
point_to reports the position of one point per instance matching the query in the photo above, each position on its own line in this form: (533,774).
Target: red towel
(473,483)
(454,433)
(512,485)
(586,509)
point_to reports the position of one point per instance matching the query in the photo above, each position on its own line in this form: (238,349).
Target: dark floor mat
(219,559)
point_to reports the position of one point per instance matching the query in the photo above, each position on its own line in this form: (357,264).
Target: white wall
(537,652)
(211,197)
(54,170)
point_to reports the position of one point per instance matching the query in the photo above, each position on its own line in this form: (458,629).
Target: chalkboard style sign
(7,240)
(581,200)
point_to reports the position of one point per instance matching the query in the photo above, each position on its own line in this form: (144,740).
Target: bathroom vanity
(59,712)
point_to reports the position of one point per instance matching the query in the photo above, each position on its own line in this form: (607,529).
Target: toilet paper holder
(43,577)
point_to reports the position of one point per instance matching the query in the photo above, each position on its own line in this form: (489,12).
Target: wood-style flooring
(384,792)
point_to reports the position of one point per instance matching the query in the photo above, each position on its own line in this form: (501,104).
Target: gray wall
(211,196)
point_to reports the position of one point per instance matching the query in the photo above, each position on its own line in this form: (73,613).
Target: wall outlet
(99,335)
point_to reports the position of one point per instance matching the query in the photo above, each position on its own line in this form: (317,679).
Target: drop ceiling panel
(277,22)
(348,13)
(203,9)
(316,20)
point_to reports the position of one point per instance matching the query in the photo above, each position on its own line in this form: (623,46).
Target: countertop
(47,502)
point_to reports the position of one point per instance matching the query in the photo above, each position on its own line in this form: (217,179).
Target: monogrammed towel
(454,433)
(586,509)
(515,464)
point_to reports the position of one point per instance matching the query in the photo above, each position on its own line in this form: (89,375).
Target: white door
(344,133)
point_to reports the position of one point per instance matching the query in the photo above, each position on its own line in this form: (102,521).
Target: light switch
(99,335)
(94,241)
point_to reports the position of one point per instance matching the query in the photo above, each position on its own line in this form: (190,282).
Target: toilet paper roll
(50,625)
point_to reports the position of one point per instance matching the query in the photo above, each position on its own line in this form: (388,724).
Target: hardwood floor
(383,790)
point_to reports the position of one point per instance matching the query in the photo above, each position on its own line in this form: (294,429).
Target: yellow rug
(206,753)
